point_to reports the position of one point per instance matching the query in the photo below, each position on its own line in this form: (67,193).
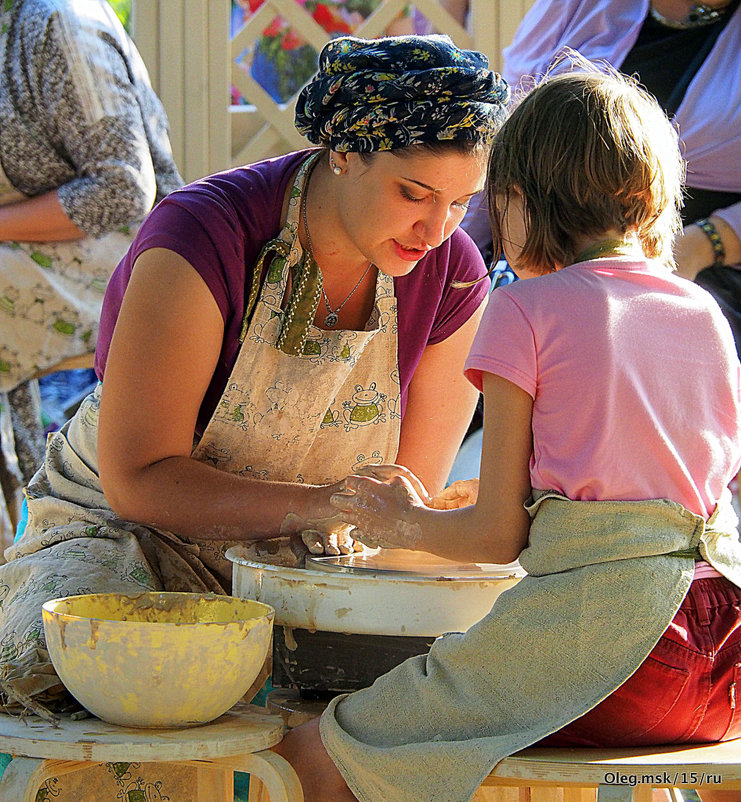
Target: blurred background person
(84,155)
(688,55)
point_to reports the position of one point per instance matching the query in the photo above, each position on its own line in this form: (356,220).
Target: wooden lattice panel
(192,62)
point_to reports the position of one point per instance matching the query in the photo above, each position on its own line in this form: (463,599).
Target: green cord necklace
(605,247)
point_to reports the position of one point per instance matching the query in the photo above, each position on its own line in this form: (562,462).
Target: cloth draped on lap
(75,544)
(603,584)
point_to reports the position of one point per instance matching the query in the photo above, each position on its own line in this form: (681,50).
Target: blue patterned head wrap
(382,94)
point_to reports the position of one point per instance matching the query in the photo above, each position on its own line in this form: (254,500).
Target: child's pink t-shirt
(634,377)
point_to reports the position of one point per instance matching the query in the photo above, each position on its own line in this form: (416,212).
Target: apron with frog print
(301,405)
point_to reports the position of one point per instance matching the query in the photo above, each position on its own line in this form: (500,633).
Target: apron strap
(281,250)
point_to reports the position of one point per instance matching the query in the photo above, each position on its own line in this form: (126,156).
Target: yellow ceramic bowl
(157,659)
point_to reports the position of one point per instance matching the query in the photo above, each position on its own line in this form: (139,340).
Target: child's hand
(462,493)
(383,513)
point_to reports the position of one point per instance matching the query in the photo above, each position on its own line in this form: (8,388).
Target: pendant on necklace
(331,320)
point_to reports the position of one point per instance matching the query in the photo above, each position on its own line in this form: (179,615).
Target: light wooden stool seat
(619,775)
(237,741)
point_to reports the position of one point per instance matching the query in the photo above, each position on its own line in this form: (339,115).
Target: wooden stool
(237,741)
(618,775)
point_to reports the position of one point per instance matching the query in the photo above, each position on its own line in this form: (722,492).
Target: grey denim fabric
(600,591)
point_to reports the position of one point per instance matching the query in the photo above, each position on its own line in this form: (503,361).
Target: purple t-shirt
(220,223)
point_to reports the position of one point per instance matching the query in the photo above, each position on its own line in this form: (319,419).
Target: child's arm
(495,529)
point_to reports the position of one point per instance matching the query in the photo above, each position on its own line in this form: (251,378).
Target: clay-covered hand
(462,493)
(339,540)
(385,473)
(329,536)
(383,513)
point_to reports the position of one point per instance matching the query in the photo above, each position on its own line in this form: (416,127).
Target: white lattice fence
(192,61)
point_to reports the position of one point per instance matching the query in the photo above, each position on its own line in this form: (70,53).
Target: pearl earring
(335,169)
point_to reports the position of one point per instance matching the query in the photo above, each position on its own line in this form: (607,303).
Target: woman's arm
(495,529)
(162,356)
(439,407)
(38,219)
(693,250)
(84,100)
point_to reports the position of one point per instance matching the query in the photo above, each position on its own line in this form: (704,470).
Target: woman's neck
(348,279)
(331,246)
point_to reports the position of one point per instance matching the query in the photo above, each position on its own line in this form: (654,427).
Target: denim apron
(605,579)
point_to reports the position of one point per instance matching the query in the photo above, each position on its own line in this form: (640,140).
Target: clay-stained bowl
(157,659)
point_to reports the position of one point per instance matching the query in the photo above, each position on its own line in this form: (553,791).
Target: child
(611,432)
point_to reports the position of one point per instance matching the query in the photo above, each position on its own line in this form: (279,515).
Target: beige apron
(604,581)
(311,416)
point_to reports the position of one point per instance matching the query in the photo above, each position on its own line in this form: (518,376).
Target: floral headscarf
(382,94)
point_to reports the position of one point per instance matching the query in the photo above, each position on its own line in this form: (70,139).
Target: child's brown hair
(588,151)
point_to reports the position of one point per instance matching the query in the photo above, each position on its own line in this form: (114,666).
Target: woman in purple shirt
(273,329)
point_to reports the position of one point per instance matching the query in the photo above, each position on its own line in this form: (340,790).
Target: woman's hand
(322,533)
(330,536)
(387,473)
(461,493)
(384,514)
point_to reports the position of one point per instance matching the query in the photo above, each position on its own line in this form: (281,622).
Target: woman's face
(396,208)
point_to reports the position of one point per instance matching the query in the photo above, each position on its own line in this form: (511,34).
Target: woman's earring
(335,169)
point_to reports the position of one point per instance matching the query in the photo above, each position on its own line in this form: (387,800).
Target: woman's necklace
(699,15)
(605,247)
(330,321)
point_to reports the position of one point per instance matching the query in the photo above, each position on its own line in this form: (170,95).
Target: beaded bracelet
(719,252)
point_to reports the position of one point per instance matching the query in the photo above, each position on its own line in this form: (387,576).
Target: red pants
(685,690)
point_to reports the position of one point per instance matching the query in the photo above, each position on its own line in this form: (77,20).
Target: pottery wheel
(410,563)
(391,592)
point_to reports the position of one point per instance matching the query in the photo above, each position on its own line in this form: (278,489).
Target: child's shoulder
(605,281)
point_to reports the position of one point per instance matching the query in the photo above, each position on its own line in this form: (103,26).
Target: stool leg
(272,770)
(571,794)
(24,775)
(624,793)
(215,783)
